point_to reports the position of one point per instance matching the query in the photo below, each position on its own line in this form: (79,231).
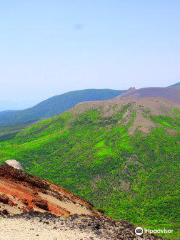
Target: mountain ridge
(55,105)
(175,85)
(171,93)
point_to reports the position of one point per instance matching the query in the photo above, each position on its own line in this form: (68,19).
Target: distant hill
(16,105)
(55,105)
(175,85)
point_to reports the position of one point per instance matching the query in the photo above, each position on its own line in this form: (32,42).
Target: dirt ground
(32,229)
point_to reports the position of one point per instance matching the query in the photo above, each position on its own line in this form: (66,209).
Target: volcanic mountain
(120,154)
(171,93)
(33,203)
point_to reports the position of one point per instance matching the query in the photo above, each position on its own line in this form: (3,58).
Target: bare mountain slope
(32,208)
(144,107)
(21,192)
(170,93)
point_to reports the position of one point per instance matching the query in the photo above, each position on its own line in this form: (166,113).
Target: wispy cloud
(78,26)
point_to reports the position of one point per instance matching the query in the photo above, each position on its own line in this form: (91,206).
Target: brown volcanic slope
(170,93)
(145,102)
(21,192)
(158,100)
(32,208)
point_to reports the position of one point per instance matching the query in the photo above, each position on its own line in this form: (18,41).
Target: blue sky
(51,47)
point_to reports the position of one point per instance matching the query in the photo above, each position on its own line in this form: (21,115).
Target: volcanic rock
(32,208)
(13,163)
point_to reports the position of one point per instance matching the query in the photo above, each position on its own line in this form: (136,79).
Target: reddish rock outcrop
(21,192)
(24,197)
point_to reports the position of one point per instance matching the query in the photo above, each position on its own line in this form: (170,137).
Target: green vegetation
(55,105)
(7,133)
(131,177)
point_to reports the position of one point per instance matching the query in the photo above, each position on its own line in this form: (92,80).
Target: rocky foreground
(36,225)
(32,208)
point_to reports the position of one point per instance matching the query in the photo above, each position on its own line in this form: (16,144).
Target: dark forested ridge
(55,105)
(175,85)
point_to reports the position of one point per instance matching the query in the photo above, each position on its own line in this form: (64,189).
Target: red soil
(25,192)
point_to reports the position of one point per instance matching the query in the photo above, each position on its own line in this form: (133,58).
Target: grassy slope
(134,178)
(7,133)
